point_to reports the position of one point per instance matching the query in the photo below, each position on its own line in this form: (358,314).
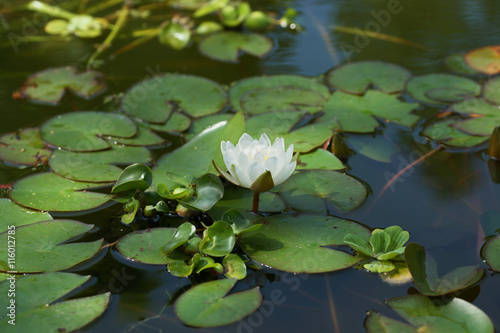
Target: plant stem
(44,8)
(255,207)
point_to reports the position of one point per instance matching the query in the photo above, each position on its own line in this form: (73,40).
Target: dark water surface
(438,201)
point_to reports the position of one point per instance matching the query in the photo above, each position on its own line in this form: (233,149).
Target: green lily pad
(50,192)
(97,166)
(375,147)
(301,243)
(15,215)
(424,273)
(446,133)
(50,85)
(144,137)
(485,59)
(419,86)
(203,123)
(491,90)
(242,87)
(176,123)
(154,99)
(194,158)
(491,253)
(317,191)
(227,45)
(146,246)
(456,63)
(356,113)
(424,315)
(24,147)
(319,159)
(268,99)
(83,131)
(208,305)
(449,95)
(476,107)
(279,123)
(40,246)
(242,199)
(357,77)
(36,309)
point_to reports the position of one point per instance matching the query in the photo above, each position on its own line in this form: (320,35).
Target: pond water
(439,200)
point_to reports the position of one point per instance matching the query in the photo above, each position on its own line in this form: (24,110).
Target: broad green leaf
(380,241)
(234,16)
(485,59)
(318,191)
(380,266)
(491,253)
(356,113)
(203,123)
(144,137)
(301,243)
(40,246)
(209,7)
(491,90)
(194,158)
(425,278)
(174,35)
(176,123)
(485,116)
(134,177)
(357,77)
(456,63)
(242,87)
(444,132)
(227,45)
(218,239)
(209,190)
(208,305)
(181,236)
(319,159)
(398,237)
(239,222)
(358,244)
(50,85)
(146,246)
(15,215)
(37,309)
(24,147)
(83,131)
(97,166)
(376,147)
(419,86)
(234,267)
(180,268)
(154,99)
(376,323)
(50,192)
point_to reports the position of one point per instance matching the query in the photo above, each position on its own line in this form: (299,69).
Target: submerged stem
(255,207)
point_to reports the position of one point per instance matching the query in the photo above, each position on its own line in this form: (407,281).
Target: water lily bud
(494,144)
(258,21)
(256,164)
(339,147)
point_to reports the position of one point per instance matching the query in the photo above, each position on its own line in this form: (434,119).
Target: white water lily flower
(256,164)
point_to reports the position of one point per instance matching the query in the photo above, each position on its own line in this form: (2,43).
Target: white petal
(279,144)
(272,164)
(241,176)
(254,171)
(264,140)
(285,173)
(245,140)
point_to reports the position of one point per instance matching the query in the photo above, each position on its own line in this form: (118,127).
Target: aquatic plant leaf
(144,137)
(376,147)
(146,246)
(208,305)
(13,214)
(319,159)
(424,273)
(238,221)
(154,99)
(37,309)
(446,133)
(201,124)
(24,147)
(180,268)
(491,253)
(97,166)
(232,16)
(419,86)
(317,191)
(425,315)
(490,223)
(355,113)
(226,46)
(242,87)
(269,99)
(485,59)
(176,123)
(491,90)
(242,199)
(218,240)
(40,246)
(197,154)
(380,266)
(209,190)
(181,236)
(301,243)
(83,131)
(357,77)
(278,124)
(174,35)
(209,7)
(134,177)
(456,63)
(50,85)
(50,192)
(234,267)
